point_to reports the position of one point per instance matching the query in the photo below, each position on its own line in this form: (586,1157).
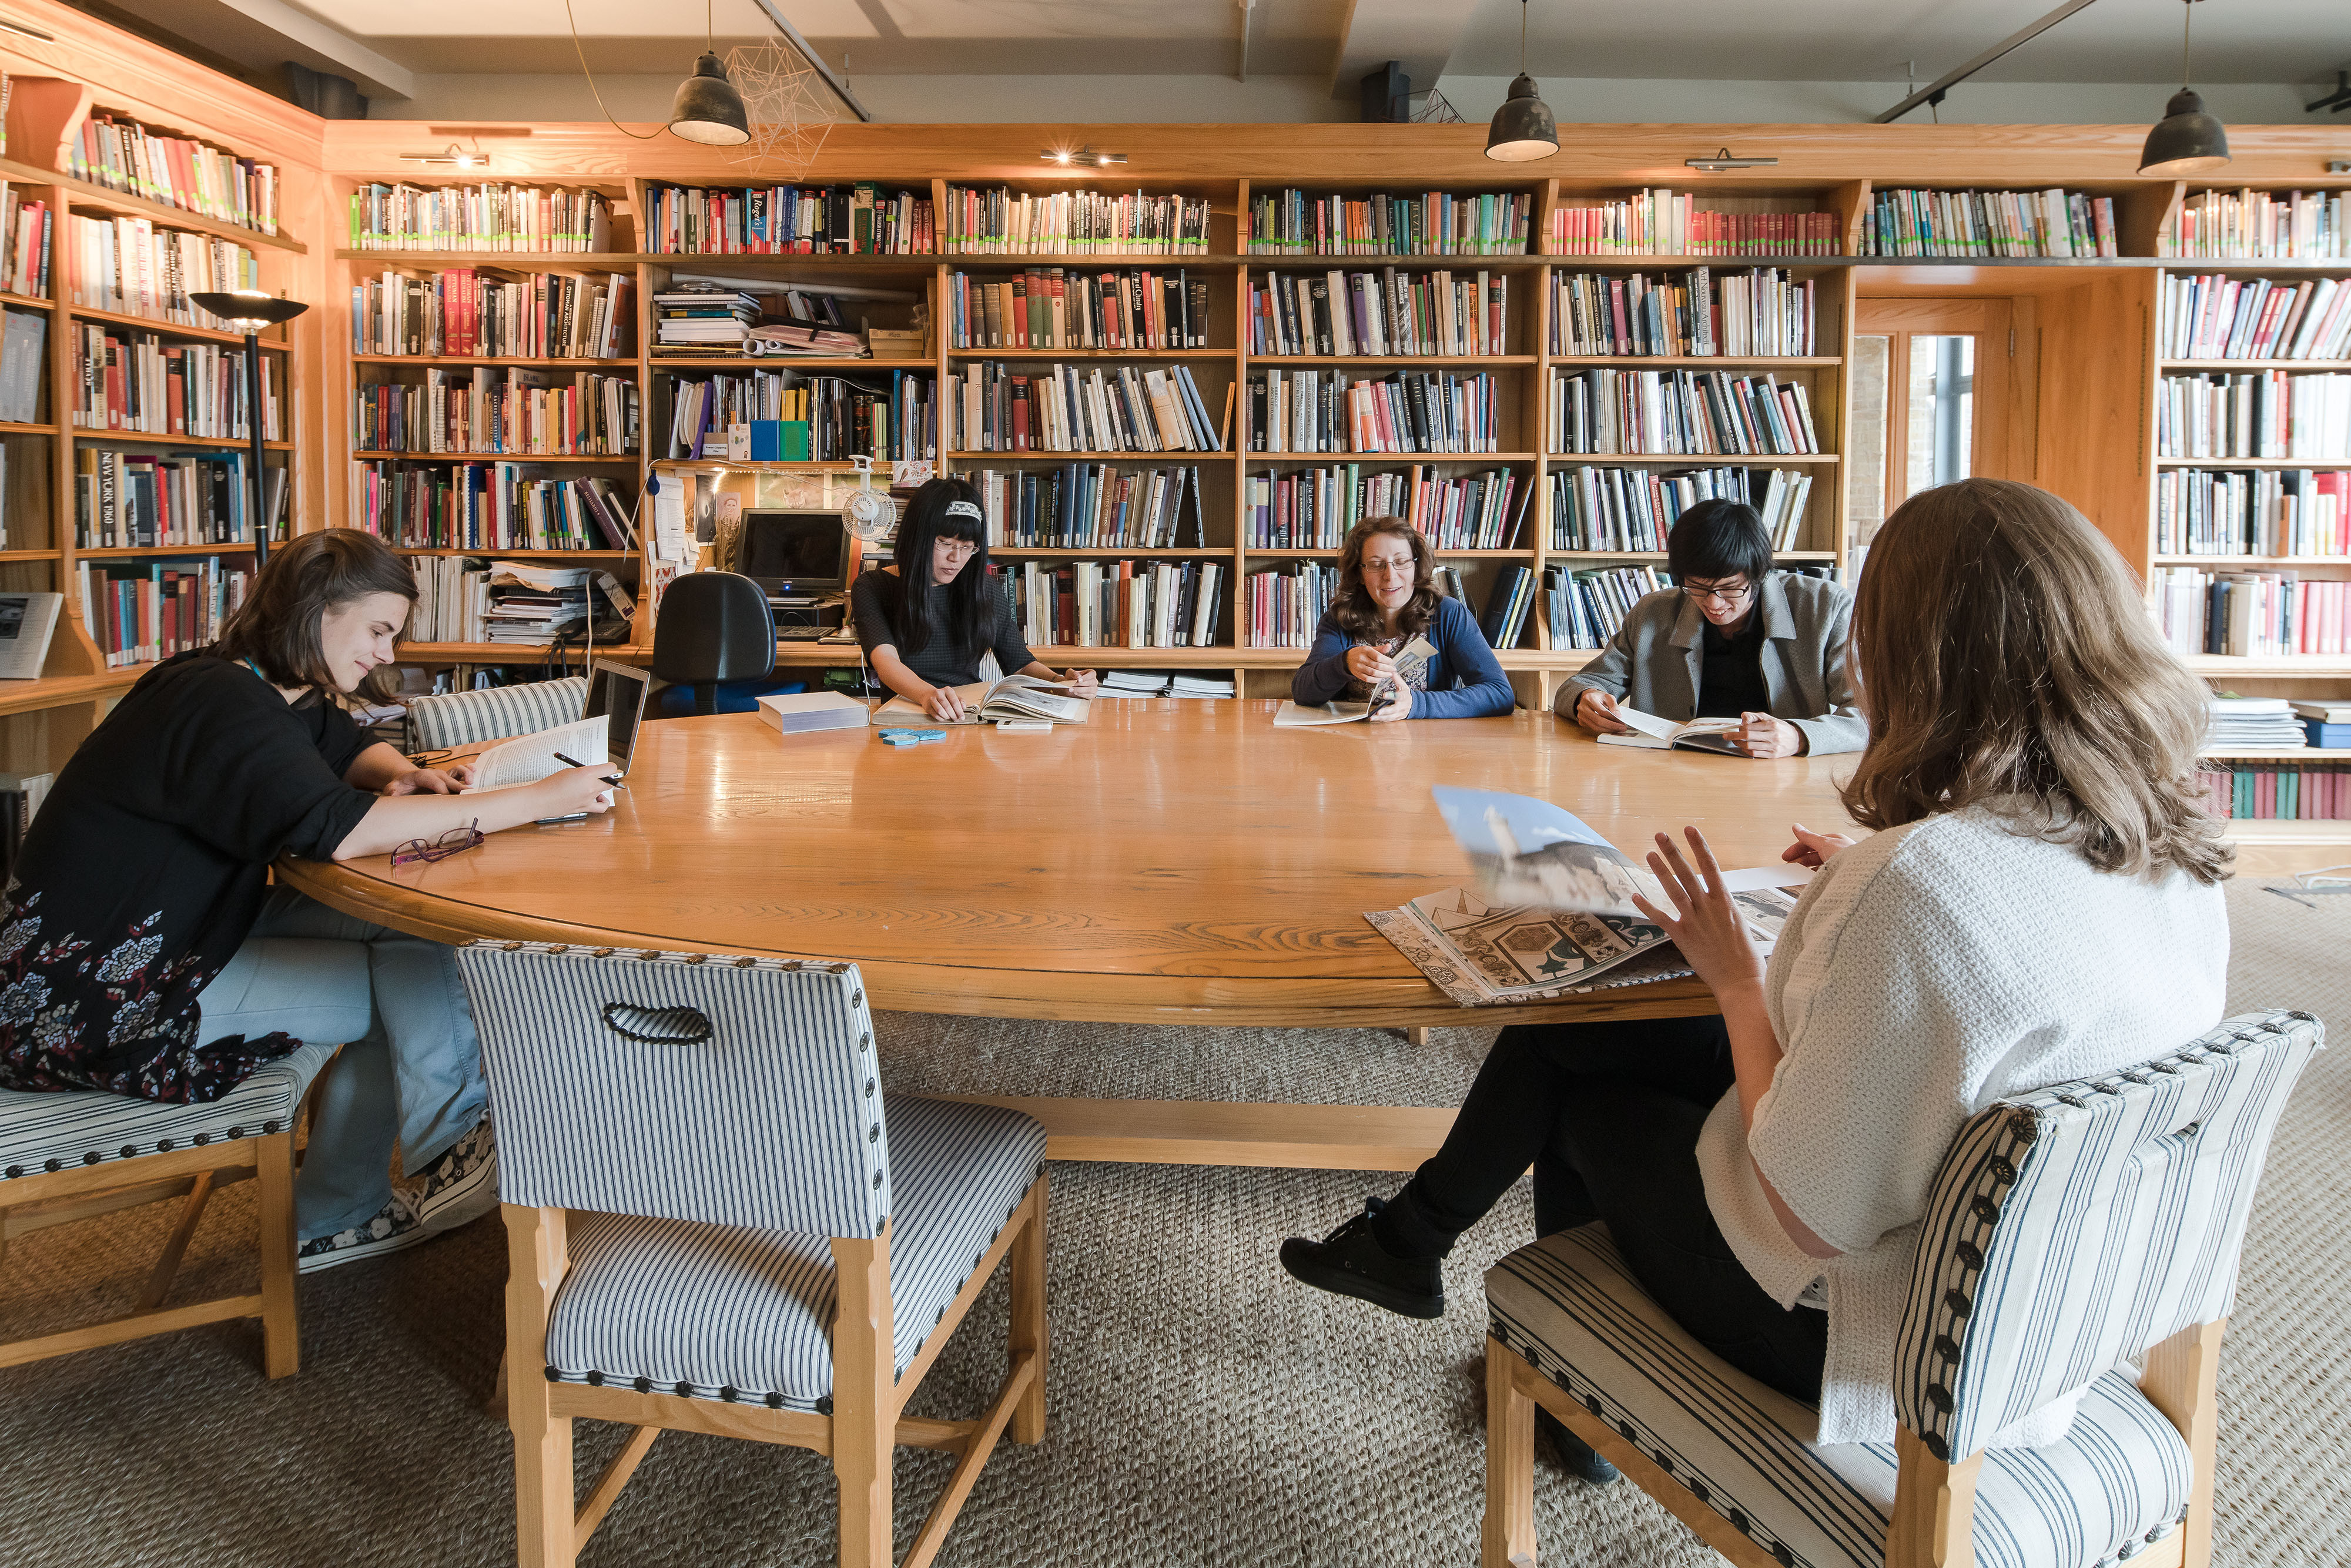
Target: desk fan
(869,513)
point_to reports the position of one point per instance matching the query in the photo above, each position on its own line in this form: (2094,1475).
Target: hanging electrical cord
(583,52)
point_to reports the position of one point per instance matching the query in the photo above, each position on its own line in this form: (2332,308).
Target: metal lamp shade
(1523,128)
(708,110)
(2186,140)
(249,310)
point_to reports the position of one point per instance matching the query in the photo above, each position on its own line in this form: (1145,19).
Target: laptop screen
(619,690)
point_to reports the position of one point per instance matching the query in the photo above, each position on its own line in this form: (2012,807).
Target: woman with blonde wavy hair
(2040,902)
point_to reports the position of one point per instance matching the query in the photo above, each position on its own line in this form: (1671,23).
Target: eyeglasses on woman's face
(1730,590)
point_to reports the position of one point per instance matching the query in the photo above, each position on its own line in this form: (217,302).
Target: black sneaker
(1571,1453)
(1350,1261)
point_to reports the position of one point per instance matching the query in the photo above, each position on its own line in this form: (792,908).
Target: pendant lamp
(708,108)
(1523,128)
(2186,140)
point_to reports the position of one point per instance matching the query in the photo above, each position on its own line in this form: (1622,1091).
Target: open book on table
(1657,733)
(527,758)
(1013,697)
(1550,911)
(1410,660)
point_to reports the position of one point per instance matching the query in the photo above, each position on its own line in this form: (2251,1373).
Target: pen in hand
(611,778)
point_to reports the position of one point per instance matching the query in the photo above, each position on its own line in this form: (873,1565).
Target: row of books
(1065,307)
(2259,512)
(1765,311)
(1405,411)
(1392,312)
(1672,222)
(494,215)
(1601,508)
(140,613)
(1003,222)
(787,220)
(1989,224)
(1089,506)
(1588,606)
(128,379)
(1282,605)
(2258,413)
(487,506)
(24,233)
(1115,603)
(23,365)
(2278,791)
(2211,316)
(133,268)
(1433,223)
(117,151)
(1508,602)
(21,795)
(845,417)
(468,311)
(2264,225)
(1313,508)
(991,408)
(2252,613)
(132,500)
(698,317)
(497,409)
(1673,412)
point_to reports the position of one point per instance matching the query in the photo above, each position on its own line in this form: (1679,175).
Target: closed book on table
(801,714)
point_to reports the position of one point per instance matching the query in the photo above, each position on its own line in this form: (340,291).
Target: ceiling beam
(263,34)
(1422,34)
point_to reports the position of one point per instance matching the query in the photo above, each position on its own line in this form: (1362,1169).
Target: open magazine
(1661,734)
(1550,911)
(1410,660)
(1013,697)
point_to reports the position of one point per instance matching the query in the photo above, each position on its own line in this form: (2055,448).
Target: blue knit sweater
(1463,679)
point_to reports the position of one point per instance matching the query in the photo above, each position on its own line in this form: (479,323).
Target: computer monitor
(619,690)
(794,552)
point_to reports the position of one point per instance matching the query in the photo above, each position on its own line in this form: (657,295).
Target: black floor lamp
(248,310)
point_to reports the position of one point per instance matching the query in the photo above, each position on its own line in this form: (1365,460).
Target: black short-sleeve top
(874,604)
(145,870)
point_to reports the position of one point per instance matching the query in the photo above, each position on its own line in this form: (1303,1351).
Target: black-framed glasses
(453,842)
(1728,594)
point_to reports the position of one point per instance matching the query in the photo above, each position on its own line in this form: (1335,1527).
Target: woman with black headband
(926,619)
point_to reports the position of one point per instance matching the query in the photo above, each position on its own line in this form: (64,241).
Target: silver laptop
(619,690)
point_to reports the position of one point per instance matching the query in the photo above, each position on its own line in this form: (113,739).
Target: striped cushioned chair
(462,718)
(771,1247)
(69,1156)
(2071,1230)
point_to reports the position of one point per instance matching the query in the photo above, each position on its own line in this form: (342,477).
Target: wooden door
(1938,396)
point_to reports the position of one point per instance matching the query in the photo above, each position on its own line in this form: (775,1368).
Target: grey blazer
(1654,661)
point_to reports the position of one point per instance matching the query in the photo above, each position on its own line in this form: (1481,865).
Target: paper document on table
(1295,716)
(527,758)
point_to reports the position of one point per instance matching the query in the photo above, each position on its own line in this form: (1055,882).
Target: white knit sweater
(1927,972)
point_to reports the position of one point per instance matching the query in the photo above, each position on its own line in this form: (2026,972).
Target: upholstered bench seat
(494,713)
(2119,1480)
(48,1132)
(722,1311)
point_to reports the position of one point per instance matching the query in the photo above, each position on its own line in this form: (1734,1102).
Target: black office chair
(713,626)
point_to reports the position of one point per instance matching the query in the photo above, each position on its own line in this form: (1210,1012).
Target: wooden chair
(73,1157)
(2070,1231)
(772,1247)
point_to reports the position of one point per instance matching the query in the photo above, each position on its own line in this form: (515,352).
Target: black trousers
(1608,1115)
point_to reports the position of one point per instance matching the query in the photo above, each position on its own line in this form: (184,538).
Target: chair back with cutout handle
(729,1090)
(2075,1226)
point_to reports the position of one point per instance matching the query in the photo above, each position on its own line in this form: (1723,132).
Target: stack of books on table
(1163,684)
(702,318)
(2253,722)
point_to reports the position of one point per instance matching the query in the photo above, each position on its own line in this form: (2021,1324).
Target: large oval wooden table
(1167,861)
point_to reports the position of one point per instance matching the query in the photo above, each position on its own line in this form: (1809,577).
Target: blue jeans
(411,1066)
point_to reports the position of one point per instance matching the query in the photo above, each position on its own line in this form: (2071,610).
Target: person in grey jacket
(1734,639)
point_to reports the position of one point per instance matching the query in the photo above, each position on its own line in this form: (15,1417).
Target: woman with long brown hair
(1387,599)
(2040,902)
(143,953)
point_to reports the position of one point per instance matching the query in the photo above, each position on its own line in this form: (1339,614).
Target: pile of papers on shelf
(2255,722)
(705,317)
(532,603)
(803,339)
(1163,684)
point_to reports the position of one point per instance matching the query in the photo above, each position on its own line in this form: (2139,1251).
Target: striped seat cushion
(461,719)
(719,1312)
(2119,1480)
(51,1132)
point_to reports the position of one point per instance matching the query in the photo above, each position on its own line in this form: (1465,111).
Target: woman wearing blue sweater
(1388,598)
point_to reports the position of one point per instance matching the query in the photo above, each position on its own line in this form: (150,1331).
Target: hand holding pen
(611,778)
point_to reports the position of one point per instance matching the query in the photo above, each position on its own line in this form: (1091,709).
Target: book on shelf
(1671,412)
(131,500)
(23,365)
(1399,411)
(500,410)
(112,149)
(531,604)
(801,339)
(1089,506)
(2330,713)
(2251,613)
(138,612)
(487,506)
(2254,512)
(1004,222)
(1587,607)
(467,312)
(25,236)
(21,795)
(2254,413)
(1679,222)
(453,595)
(1596,508)
(1113,603)
(1763,312)
(493,216)
(2277,791)
(1984,224)
(1396,311)
(1313,508)
(2211,316)
(1012,698)
(1284,603)
(888,414)
(1508,603)
(132,380)
(2258,224)
(705,315)
(861,219)
(1072,308)
(27,621)
(2252,722)
(137,266)
(991,407)
(1432,223)
(1163,683)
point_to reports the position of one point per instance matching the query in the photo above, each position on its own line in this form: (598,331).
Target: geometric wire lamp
(249,310)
